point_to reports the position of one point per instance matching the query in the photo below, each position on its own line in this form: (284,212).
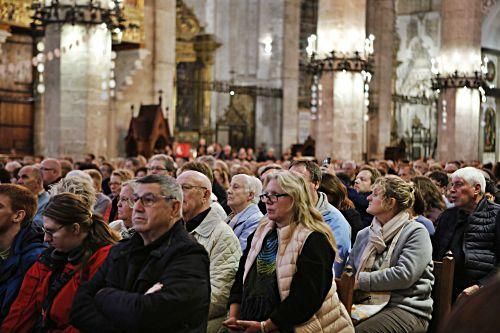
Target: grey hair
(83,186)
(167,161)
(252,184)
(130,183)
(472,176)
(168,186)
(210,160)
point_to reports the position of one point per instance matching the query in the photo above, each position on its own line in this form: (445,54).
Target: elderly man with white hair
(211,231)
(471,231)
(243,197)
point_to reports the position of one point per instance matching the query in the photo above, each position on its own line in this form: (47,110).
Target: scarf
(378,238)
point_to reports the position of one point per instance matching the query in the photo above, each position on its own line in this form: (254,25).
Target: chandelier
(88,12)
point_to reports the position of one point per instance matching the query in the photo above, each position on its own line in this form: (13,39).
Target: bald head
(51,171)
(196,178)
(31,178)
(196,189)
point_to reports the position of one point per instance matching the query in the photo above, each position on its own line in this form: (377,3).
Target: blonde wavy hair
(304,212)
(393,187)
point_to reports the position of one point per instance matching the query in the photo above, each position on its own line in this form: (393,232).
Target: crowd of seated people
(237,241)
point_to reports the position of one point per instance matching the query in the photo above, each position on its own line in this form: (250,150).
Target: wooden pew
(345,288)
(442,290)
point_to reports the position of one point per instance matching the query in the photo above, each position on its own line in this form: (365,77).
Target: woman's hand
(231,324)
(249,326)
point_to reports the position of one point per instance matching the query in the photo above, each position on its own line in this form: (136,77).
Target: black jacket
(360,201)
(474,240)
(115,301)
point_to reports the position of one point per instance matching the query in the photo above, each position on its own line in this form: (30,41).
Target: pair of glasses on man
(271,198)
(147,200)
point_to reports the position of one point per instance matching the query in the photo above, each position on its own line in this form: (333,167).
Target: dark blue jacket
(27,246)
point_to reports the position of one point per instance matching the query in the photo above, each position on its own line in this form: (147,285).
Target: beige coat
(224,251)
(332,317)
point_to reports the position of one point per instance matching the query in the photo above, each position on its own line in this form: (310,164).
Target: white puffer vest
(332,317)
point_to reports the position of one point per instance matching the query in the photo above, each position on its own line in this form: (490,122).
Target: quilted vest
(479,240)
(332,317)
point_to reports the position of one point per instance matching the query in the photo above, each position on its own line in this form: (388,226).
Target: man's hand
(249,326)
(231,324)
(468,291)
(157,287)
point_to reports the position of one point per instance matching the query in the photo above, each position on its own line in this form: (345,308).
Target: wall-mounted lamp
(268,45)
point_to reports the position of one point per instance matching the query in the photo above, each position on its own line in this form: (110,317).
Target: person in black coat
(471,231)
(362,189)
(156,281)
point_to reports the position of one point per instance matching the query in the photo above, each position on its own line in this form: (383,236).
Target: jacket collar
(322,203)
(244,214)
(208,224)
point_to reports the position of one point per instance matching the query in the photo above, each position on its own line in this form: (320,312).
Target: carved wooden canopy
(148,132)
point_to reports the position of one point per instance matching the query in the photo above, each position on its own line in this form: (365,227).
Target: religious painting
(489,130)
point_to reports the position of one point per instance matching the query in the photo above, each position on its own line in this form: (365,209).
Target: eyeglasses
(126,201)
(51,232)
(46,169)
(187,187)
(157,168)
(272,198)
(149,199)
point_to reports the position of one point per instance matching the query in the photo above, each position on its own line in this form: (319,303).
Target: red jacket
(27,308)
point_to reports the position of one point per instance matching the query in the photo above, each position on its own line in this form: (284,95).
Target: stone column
(458,135)
(381,15)
(341,27)
(290,74)
(75,110)
(164,55)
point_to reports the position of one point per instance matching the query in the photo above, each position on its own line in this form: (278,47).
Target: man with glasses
(51,172)
(216,236)
(471,231)
(20,242)
(161,164)
(125,207)
(156,281)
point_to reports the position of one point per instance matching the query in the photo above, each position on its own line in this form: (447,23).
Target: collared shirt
(196,221)
(43,199)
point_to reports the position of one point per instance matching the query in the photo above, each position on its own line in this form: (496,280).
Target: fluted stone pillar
(381,17)
(340,127)
(291,30)
(458,109)
(75,110)
(164,55)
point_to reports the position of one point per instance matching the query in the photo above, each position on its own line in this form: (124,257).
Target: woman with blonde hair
(392,260)
(290,290)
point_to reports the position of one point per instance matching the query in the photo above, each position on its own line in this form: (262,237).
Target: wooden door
(16,125)
(16,95)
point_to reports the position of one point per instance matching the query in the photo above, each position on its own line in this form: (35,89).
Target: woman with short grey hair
(242,198)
